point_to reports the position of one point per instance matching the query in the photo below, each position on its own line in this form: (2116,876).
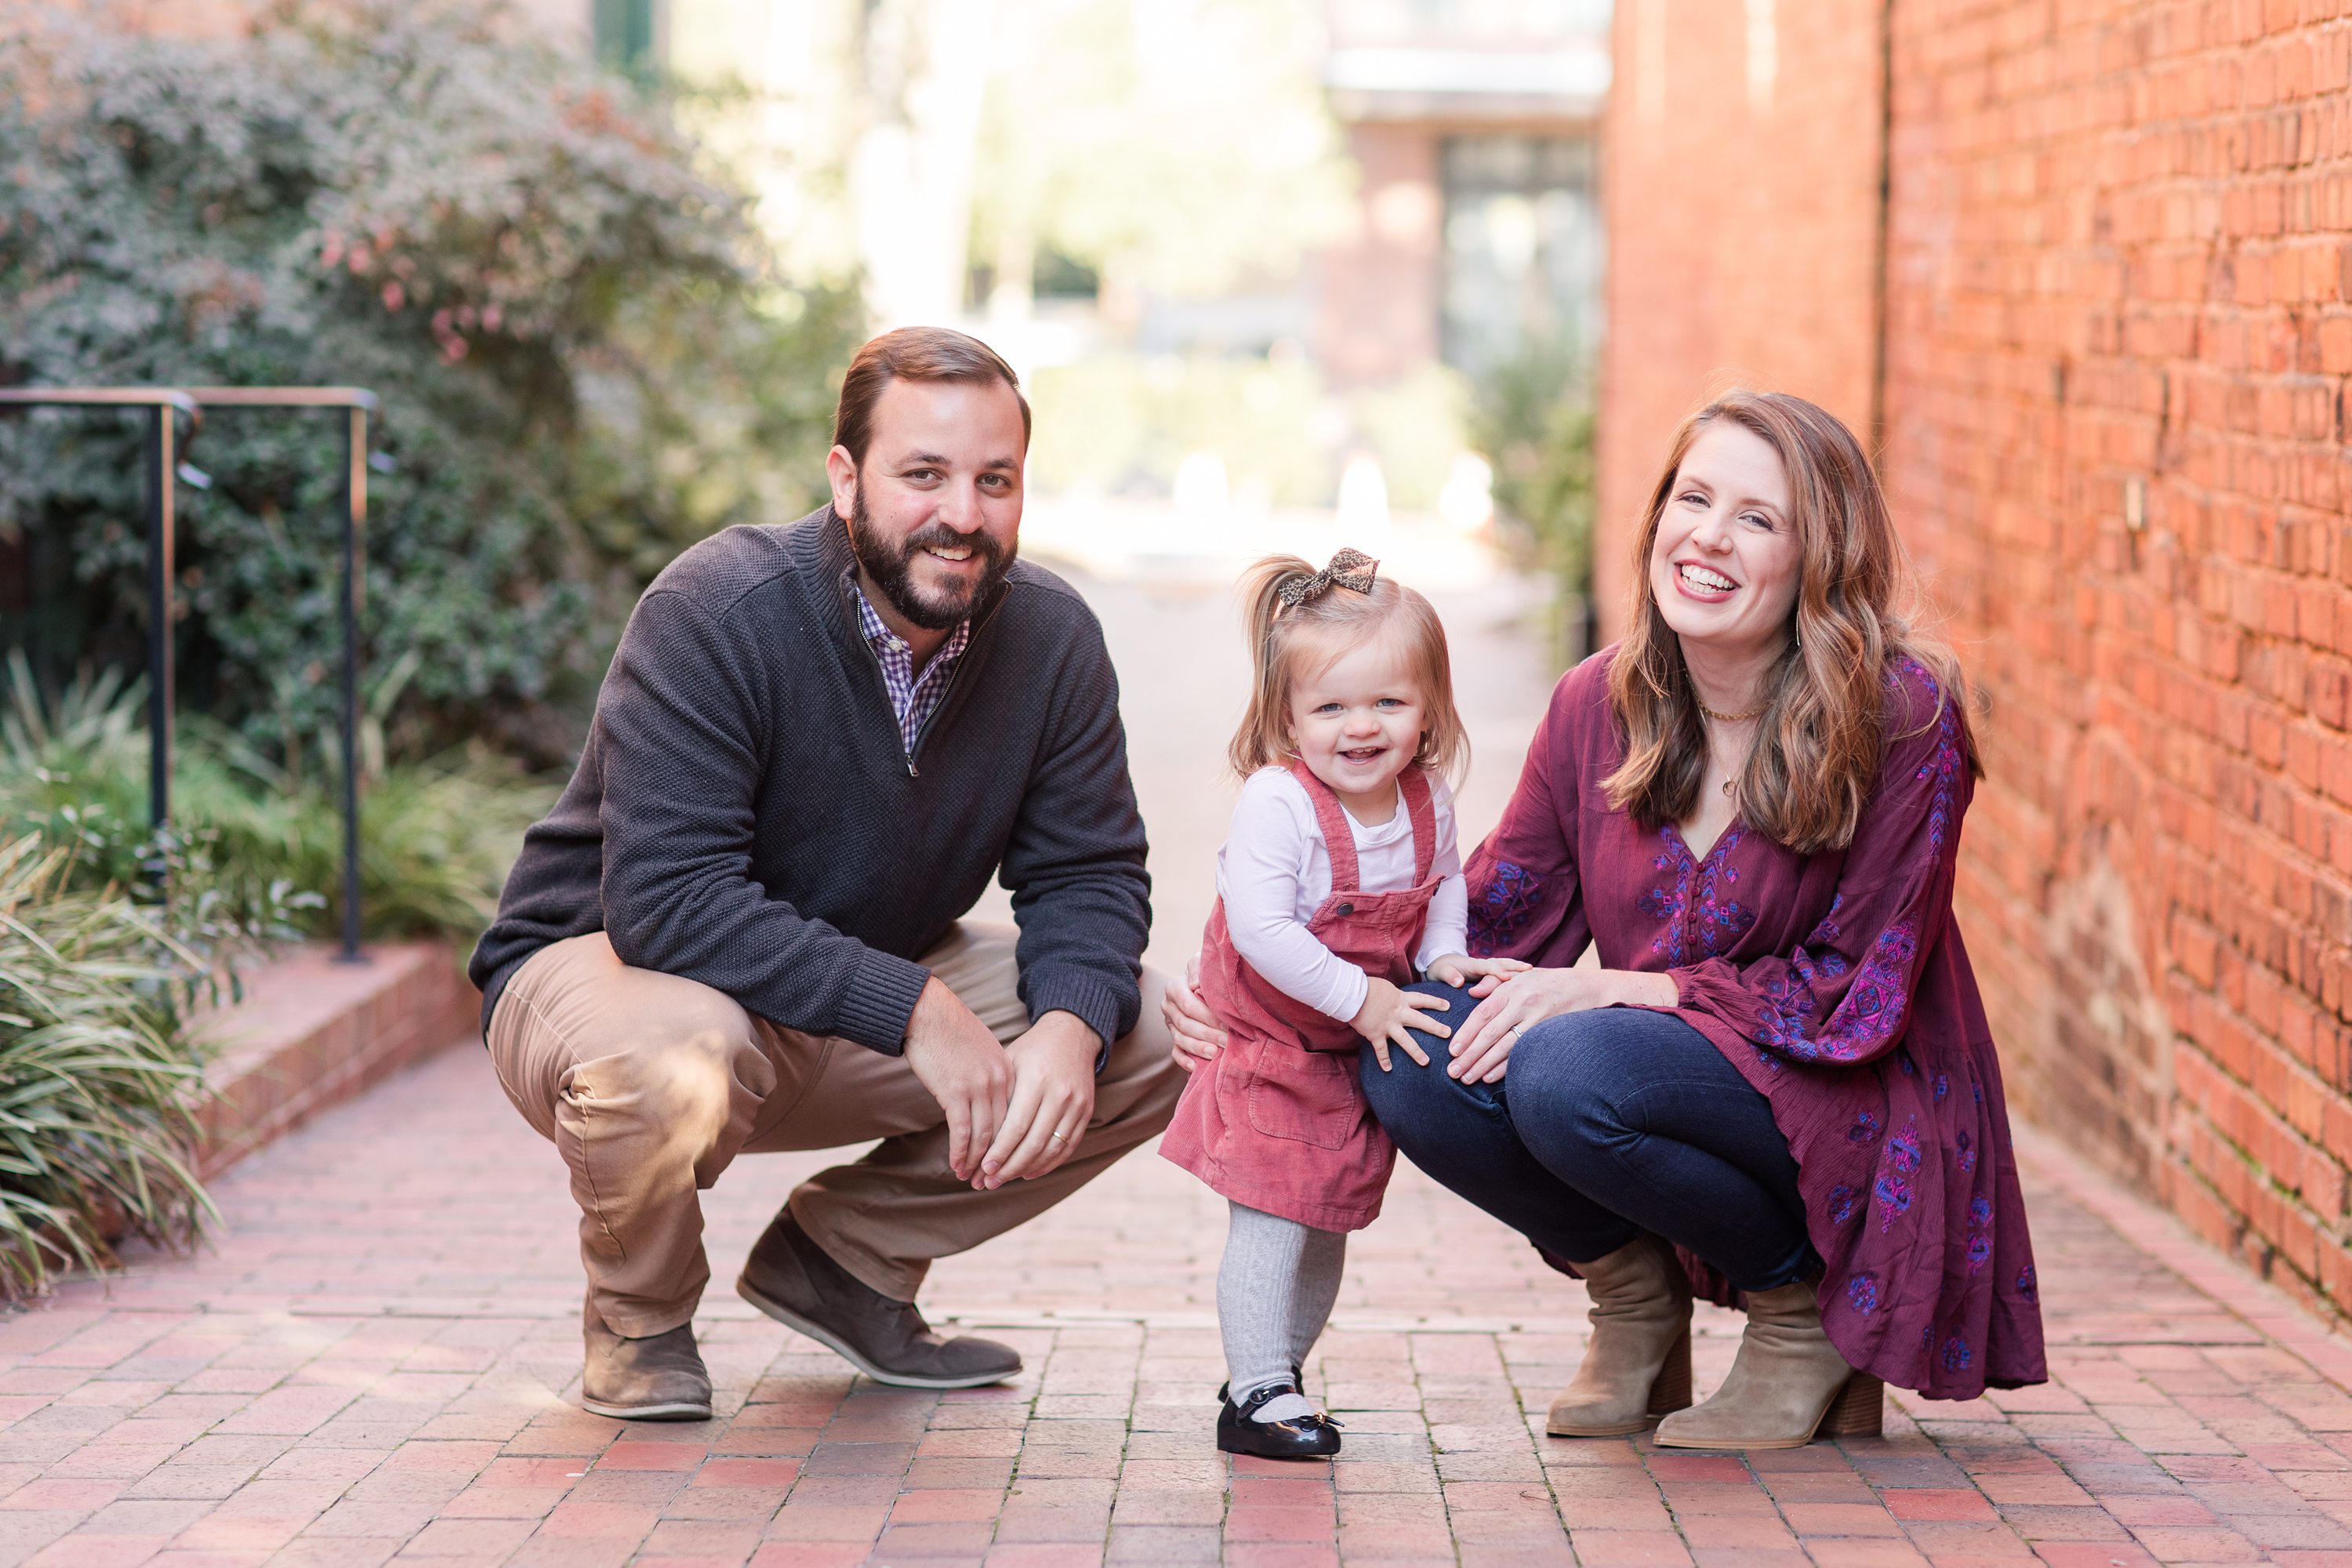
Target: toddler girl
(1339,881)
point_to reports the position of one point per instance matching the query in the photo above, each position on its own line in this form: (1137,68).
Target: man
(738,929)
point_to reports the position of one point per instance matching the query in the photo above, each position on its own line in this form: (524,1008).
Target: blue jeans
(1609,1123)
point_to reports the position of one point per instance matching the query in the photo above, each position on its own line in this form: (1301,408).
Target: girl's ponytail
(1263,738)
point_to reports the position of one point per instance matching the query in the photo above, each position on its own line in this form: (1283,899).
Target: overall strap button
(1347,909)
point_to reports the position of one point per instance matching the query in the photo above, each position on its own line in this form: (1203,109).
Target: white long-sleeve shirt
(1274,873)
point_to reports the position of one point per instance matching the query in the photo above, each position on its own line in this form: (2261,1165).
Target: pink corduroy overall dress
(1276,1120)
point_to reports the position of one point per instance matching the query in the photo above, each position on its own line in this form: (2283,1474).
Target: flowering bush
(584,359)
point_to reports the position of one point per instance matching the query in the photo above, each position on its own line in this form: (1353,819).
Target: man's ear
(841,472)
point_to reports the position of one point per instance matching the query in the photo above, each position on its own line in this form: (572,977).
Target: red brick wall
(1748,253)
(2118,247)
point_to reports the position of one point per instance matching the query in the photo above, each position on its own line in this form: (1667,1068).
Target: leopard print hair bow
(1349,569)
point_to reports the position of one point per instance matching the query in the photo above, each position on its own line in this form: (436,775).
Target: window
(625,36)
(1522,247)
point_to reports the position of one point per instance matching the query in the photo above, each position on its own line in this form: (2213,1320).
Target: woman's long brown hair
(1824,726)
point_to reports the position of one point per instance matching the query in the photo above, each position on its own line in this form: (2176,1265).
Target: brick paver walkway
(376,1363)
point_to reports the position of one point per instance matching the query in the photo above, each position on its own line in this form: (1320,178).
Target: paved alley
(374,1360)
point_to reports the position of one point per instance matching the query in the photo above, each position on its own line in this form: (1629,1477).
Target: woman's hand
(1390,1014)
(1196,1035)
(1459,968)
(1482,1050)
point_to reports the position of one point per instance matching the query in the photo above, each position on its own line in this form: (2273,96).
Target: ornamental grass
(99,1078)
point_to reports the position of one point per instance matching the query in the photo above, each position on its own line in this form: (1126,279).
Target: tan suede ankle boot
(1786,1385)
(1637,1366)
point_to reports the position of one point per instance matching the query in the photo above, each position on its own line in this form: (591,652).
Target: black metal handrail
(357,403)
(163,468)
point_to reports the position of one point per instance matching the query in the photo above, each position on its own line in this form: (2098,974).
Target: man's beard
(890,564)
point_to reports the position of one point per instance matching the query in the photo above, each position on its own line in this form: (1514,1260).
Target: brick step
(312,1031)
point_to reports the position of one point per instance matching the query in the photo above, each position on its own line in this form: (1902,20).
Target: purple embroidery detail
(1871,1013)
(1502,906)
(1980,1211)
(1964,1153)
(1722,921)
(1980,1252)
(1864,1128)
(1841,1203)
(1696,904)
(2028,1285)
(1910,1068)
(1862,1294)
(1826,933)
(1943,1087)
(1944,766)
(1666,906)
(1977,1088)
(1789,1009)
(1897,1165)
(1956,1354)
(1792,1002)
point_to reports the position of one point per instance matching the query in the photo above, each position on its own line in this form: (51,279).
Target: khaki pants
(650,1085)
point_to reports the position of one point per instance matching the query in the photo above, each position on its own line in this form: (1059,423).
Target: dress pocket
(1307,1097)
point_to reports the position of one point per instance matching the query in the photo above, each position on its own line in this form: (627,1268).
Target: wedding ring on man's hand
(1057,1137)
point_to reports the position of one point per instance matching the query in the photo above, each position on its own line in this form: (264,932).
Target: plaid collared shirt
(914,698)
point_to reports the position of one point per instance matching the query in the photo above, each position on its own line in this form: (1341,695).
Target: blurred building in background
(1380,203)
(1250,256)
(1472,124)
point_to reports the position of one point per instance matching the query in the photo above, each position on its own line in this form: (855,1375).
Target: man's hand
(1053,1099)
(956,1058)
(1195,1032)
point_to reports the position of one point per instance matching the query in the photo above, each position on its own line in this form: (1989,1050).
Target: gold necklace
(1730,718)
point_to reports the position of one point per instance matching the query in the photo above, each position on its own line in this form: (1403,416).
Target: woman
(1750,807)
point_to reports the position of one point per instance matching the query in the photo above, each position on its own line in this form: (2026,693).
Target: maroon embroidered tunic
(1838,985)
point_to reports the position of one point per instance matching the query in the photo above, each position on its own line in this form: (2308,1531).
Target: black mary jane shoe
(1307,1437)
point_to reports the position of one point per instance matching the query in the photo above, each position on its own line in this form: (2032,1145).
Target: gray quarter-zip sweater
(746,815)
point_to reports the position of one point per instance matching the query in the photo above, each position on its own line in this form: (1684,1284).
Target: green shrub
(1534,417)
(110,931)
(98,1135)
(437,835)
(585,360)
(99,1078)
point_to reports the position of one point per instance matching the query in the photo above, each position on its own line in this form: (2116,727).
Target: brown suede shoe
(1788,1384)
(1636,1366)
(657,1378)
(796,1282)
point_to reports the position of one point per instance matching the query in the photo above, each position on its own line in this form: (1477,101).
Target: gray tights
(1275,1292)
